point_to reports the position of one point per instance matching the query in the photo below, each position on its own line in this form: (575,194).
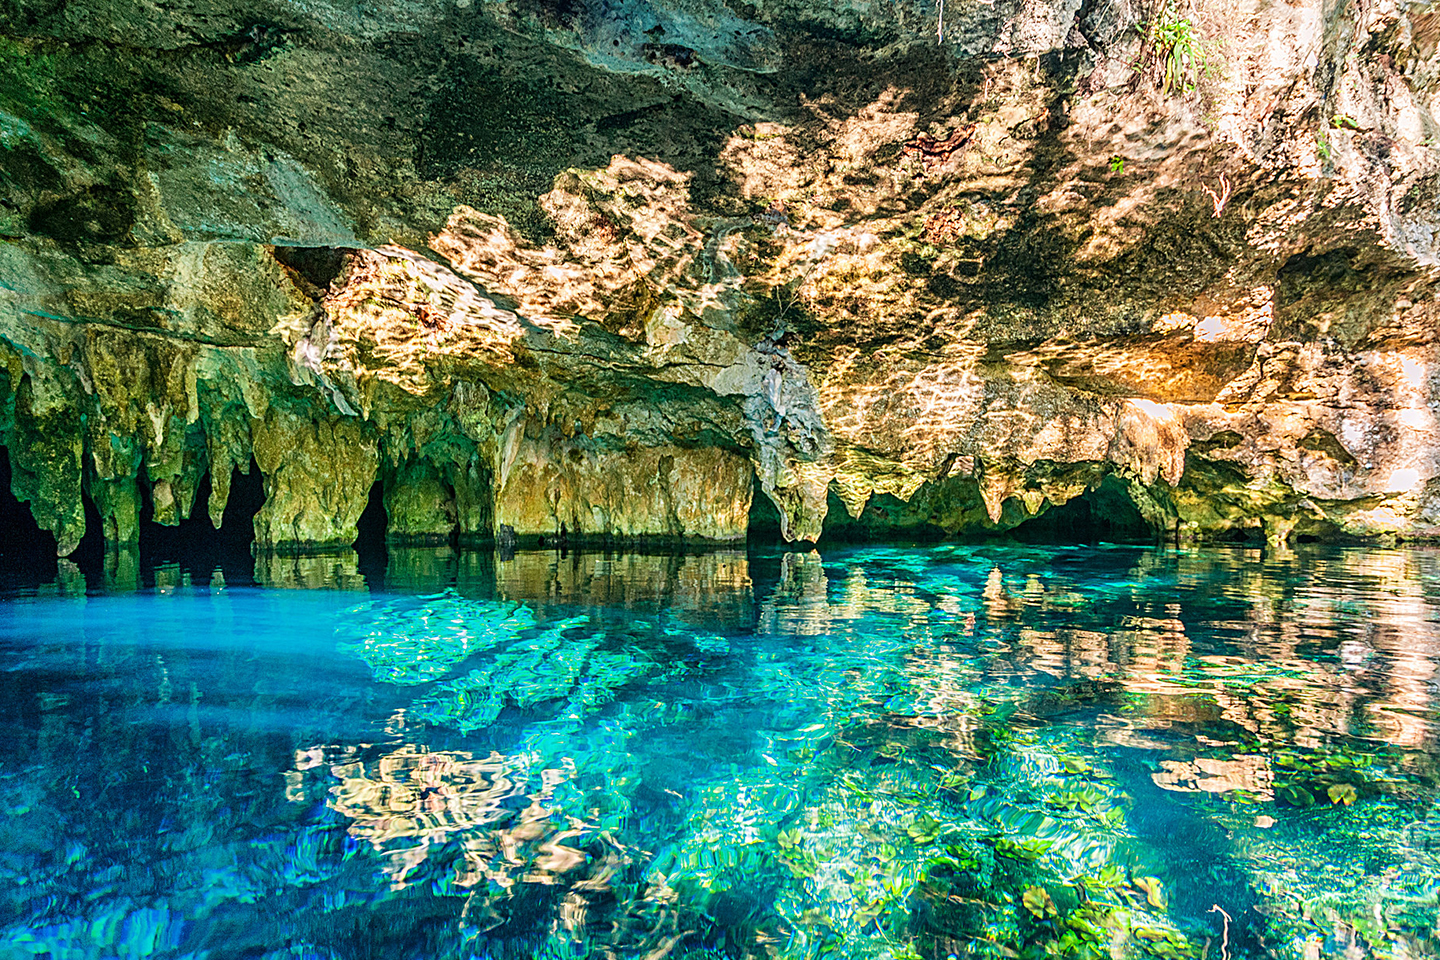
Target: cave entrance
(370,544)
(195,545)
(1105,513)
(20,537)
(27,553)
(317,265)
(763,525)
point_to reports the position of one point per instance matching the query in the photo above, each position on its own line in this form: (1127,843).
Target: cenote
(986,749)
(719,480)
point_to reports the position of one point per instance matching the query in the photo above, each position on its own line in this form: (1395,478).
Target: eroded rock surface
(598,271)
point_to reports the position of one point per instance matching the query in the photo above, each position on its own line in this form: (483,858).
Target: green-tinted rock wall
(956,273)
(549,487)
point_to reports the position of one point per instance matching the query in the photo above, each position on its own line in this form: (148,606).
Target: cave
(370,537)
(1104,514)
(27,553)
(885,518)
(655,293)
(319,266)
(20,538)
(194,544)
(763,524)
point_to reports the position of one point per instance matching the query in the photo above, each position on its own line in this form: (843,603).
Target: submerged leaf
(869,912)
(1154,891)
(1038,901)
(1296,796)
(1031,848)
(1342,794)
(924,829)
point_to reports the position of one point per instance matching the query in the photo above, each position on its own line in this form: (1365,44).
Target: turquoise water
(964,751)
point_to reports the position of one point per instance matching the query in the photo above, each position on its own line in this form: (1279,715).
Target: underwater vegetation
(955,751)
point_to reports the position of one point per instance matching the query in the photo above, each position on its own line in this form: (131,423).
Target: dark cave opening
(370,536)
(370,528)
(884,519)
(1240,536)
(27,553)
(1106,513)
(763,525)
(20,537)
(195,545)
(319,265)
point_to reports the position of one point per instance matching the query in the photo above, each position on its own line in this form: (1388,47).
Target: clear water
(959,751)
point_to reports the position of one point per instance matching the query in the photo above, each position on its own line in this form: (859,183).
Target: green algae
(408,640)
(893,760)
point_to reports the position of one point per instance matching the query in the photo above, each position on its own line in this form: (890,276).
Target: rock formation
(591,270)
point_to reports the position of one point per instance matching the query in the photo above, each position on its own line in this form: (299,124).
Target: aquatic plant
(417,639)
(911,754)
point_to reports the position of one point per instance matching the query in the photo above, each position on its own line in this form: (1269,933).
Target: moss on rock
(318,476)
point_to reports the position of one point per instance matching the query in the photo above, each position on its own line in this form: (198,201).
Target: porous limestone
(532,269)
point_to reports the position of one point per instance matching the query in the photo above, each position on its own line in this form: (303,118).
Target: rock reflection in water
(408,802)
(711,587)
(330,570)
(799,605)
(977,749)
(418,569)
(697,586)
(1352,647)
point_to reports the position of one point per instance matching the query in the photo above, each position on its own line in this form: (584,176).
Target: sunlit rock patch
(954,269)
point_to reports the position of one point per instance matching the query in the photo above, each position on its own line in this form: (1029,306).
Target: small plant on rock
(1172,51)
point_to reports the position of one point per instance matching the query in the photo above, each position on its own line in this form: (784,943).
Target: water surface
(958,750)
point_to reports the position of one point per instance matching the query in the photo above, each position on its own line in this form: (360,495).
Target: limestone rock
(318,476)
(46,462)
(419,506)
(610,274)
(551,488)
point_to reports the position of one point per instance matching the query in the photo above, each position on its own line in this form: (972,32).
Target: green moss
(45,448)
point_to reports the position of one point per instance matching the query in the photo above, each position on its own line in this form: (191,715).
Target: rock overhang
(978,276)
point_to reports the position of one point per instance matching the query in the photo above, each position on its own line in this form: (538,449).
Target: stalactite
(318,474)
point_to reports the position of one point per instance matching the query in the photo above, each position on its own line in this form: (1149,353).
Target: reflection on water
(959,751)
(405,800)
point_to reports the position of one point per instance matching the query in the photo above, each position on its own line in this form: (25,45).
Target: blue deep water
(945,751)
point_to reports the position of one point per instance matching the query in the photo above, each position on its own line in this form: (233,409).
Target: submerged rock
(578,273)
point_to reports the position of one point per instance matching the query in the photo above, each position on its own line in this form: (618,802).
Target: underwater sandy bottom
(957,750)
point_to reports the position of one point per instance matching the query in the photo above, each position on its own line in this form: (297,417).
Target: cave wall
(668,492)
(531,268)
(332,389)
